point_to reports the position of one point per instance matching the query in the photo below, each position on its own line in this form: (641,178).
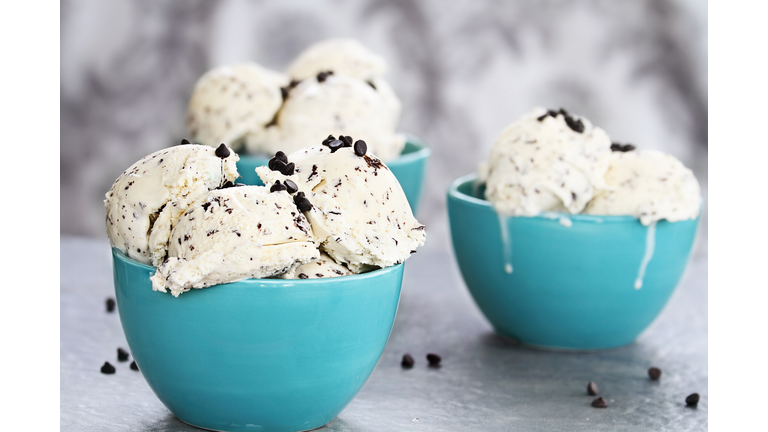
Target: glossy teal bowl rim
(281,283)
(453,191)
(423,152)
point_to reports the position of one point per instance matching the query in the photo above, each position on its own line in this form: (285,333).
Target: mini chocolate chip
(134,366)
(288,170)
(185,141)
(347,140)
(107,369)
(335,145)
(277,187)
(110,304)
(222,151)
(284,92)
(360,148)
(654,373)
(600,403)
(290,186)
(281,157)
(692,399)
(371,84)
(593,389)
(302,203)
(293,83)
(542,117)
(627,148)
(122,355)
(323,75)
(328,140)
(299,195)
(575,125)
(616,147)
(408,361)
(303,276)
(563,112)
(227,184)
(276,164)
(433,359)
(573,195)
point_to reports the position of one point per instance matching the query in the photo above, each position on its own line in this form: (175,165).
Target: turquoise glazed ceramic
(560,281)
(261,354)
(409,169)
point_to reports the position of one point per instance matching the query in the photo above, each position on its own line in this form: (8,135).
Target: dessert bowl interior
(562,281)
(259,354)
(409,168)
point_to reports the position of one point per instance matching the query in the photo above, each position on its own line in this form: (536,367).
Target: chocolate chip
(433,359)
(600,403)
(542,117)
(276,164)
(323,75)
(110,304)
(302,203)
(107,369)
(347,140)
(290,186)
(277,187)
(616,147)
(627,148)
(408,361)
(288,169)
(227,184)
(303,276)
(281,157)
(563,112)
(122,355)
(328,140)
(360,148)
(284,92)
(222,151)
(692,399)
(593,389)
(371,84)
(134,366)
(654,373)
(185,141)
(575,125)
(293,83)
(335,145)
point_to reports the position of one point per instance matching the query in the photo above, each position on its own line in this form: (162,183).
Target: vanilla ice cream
(546,161)
(231,103)
(338,105)
(233,234)
(649,185)
(342,56)
(324,267)
(149,197)
(358,212)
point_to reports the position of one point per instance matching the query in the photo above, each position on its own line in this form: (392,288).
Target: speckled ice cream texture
(324,267)
(234,234)
(148,197)
(338,105)
(544,165)
(359,213)
(649,185)
(230,103)
(342,56)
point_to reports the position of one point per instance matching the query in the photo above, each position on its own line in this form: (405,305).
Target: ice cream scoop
(323,267)
(229,103)
(359,213)
(339,105)
(546,161)
(342,56)
(649,185)
(148,197)
(233,234)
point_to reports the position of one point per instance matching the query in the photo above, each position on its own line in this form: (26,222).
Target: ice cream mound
(326,211)
(552,160)
(335,86)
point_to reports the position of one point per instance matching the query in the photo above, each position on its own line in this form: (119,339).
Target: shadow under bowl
(409,169)
(259,354)
(562,281)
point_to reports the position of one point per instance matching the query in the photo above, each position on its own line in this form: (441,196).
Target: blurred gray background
(462,69)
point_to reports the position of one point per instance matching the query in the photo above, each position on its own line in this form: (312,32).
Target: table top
(484,382)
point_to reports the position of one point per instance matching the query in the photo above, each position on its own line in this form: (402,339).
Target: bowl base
(517,342)
(249,428)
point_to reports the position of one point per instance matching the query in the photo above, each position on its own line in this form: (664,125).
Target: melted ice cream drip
(506,243)
(650,242)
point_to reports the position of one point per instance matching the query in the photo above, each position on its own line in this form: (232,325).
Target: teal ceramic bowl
(261,354)
(409,169)
(561,281)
